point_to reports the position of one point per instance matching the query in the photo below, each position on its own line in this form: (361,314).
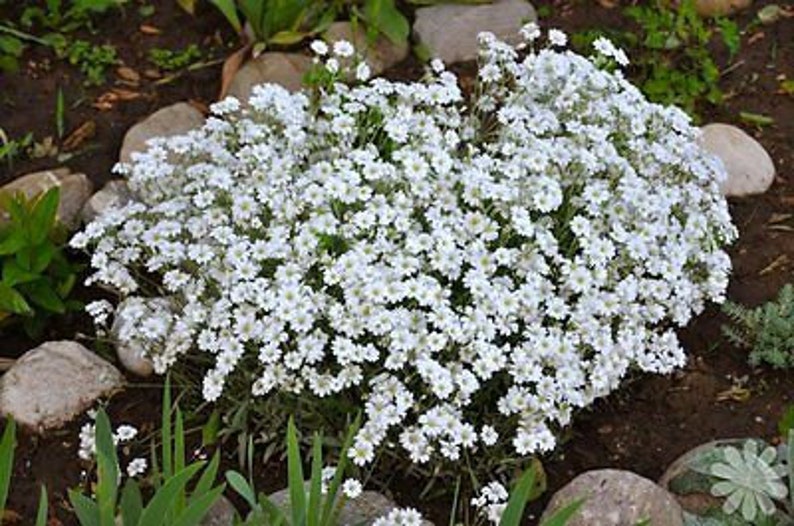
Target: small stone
(286,69)
(132,355)
(616,498)
(720,7)
(380,55)
(76,189)
(176,119)
(449,31)
(221,513)
(361,511)
(750,168)
(55,382)
(113,194)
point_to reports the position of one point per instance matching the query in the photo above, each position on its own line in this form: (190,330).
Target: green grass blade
(329,509)
(107,470)
(241,486)
(59,113)
(8,445)
(198,508)
(297,491)
(316,483)
(562,517)
(131,503)
(168,466)
(229,10)
(86,509)
(165,498)
(518,499)
(208,477)
(179,458)
(41,514)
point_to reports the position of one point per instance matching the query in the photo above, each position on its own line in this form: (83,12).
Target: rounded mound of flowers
(477,267)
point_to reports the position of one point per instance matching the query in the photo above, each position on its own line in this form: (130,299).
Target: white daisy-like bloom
(557,38)
(400,517)
(319,47)
(344,49)
(537,241)
(352,488)
(136,467)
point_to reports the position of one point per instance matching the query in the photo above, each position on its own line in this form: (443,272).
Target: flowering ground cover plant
(472,270)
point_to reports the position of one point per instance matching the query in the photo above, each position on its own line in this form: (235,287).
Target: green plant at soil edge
(37,277)
(768,330)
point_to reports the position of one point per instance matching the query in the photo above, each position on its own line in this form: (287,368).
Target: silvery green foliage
(749,480)
(477,268)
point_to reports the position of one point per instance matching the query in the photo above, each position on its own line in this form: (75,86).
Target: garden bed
(643,427)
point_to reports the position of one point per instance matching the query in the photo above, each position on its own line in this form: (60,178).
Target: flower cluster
(123,434)
(477,268)
(491,502)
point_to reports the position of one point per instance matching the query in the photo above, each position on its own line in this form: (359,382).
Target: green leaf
(514,511)
(107,470)
(756,118)
(42,294)
(241,486)
(15,241)
(165,498)
(297,491)
(316,481)
(59,112)
(564,515)
(786,422)
(198,508)
(8,445)
(86,509)
(10,45)
(209,432)
(329,510)
(41,514)
(287,38)
(36,258)
(229,10)
(385,16)
(45,210)
(207,478)
(13,274)
(179,456)
(168,466)
(131,503)
(12,301)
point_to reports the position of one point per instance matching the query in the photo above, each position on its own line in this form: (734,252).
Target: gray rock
(114,193)
(616,498)
(750,169)
(720,7)
(286,69)
(55,382)
(449,31)
(361,511)
(172,120)
(380,55)
(221,513)
(76,189)
(130,352)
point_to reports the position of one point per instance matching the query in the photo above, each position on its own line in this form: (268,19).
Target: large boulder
(750,169)
(449,31)
(380,55)
(176,119)
(286,69)
(221,513)
(55,382)
(75,190)
(616,498)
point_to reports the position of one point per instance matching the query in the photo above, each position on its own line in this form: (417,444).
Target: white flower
(136,467)
(319,48)
(530,32)
(352,488)
(343,48)
(363,72)
(125,433)
(605,47)
(557,38)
